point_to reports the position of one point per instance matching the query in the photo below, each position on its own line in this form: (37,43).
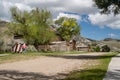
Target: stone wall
(60,46)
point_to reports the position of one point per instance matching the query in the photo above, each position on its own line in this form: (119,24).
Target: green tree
(104,5)
(68,27)
(34,26)
(105,48)
(96,49)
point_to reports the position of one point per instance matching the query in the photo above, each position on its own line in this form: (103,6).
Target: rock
(31,48)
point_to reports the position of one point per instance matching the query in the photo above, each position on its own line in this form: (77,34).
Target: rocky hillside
(111,39)
(114,44)
(6,40)
(3,27)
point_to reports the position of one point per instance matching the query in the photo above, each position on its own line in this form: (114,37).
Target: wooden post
(74,44)
(67,46)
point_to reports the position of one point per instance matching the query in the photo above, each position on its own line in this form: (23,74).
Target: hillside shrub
(96,49)
(105,48)
(1,45)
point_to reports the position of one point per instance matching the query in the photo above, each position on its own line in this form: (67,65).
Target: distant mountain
(111,39)
(90,39)
(114,44)
(2,23)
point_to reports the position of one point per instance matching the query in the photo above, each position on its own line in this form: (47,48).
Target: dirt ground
(47,67)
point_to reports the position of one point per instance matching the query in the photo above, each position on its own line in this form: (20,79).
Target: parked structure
(17,48)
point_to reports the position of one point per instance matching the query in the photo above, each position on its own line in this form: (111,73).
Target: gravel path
(46,67)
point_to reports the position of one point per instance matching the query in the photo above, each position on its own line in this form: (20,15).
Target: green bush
(96,49)
(105,48)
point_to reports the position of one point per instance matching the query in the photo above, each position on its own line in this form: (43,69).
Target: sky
(93,24)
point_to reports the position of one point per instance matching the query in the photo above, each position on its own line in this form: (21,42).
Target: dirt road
(46,67)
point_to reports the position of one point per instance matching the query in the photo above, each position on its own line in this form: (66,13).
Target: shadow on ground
(82,56)
(16,75)
(112,75)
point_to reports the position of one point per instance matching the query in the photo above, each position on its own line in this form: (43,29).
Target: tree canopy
(68,27)
(34,26)
(108,6)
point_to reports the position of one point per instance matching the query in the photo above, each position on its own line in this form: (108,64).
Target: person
(24,47)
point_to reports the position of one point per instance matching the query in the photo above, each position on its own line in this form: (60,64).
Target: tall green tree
(68,28)
(34,26)
(104,5)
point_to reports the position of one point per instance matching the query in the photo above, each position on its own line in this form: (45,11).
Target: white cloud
(40,1)
(5,6)
(55,6)
(112,35)
(69,16)
(99,19)
(80,6)
(22,6)
(110,20)
(115,24)
(58,7)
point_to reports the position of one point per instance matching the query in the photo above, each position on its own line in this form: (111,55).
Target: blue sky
(93,24)
(96,32)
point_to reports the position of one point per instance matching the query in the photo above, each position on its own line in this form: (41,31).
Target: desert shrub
(96,49)
(93,44)
(1,45)
(105,48)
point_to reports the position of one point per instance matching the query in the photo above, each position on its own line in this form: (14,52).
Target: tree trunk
(73,44)
(89,48)
(67,46)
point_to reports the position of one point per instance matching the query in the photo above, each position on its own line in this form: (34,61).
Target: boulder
(31,48)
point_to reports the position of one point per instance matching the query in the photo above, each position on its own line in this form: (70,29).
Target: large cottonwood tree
(33,25)
(68,27)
